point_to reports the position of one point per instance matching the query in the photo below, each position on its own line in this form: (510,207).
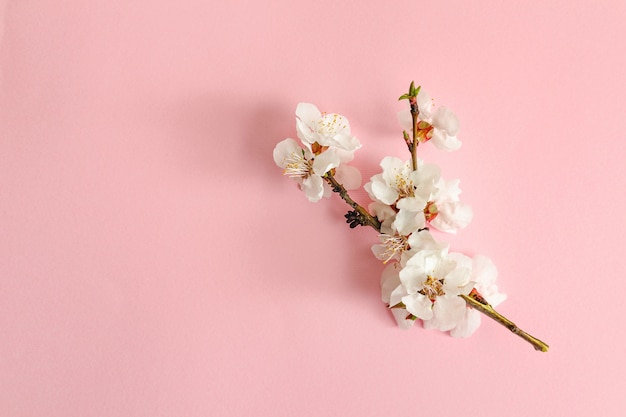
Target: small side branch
(368,219)
(476,301)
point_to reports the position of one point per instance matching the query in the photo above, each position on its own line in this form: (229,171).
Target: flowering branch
(473,299)
(446,290)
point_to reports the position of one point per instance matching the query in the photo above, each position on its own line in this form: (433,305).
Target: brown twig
(476,301)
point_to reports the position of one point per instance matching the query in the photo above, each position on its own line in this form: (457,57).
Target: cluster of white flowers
(327,144)
(422,279)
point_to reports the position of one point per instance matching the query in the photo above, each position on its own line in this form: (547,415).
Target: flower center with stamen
(433,288)
(296,165)
(328,126)
(404,186)
(393,245)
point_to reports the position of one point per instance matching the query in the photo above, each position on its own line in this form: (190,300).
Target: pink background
(153,261)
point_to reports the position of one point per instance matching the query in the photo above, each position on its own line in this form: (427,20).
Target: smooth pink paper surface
(154,262)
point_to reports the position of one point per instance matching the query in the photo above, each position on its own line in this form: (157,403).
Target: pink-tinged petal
(485,274)
(452,216)
(284,150)
(444,119)
(463,261)
(495,298)
(313,188)
(448,191)
(424,105)
(308,113)
(328,191)
(389,281)
(467,326)
(348,176)
(345,141)
(344,156)
(379,251)
(449,311)
(325,161)
(401,315)
(368,186)
(307,117)
(428,173)
(444,142)
(418,305)
(484,271)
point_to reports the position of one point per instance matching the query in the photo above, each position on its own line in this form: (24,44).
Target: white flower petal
(313,188)
(389,281)
(284,150)
(400,315)
(452,216)
(444,119)
(458,281)
(424,105)
(467,326)
(396,295)
(325,161)
(412,278)
(448,191)
(382,192)
(344,141)
(415,204)
(408,222)
(445,142)
(485,274)
(385,214)
(392,167)
(307,115)
(344,156)
(418,305)
(449,311)
(425,240)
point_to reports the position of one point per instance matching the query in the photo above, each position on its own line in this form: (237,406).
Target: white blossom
(446,127)
(451,213)
(430,285)
(444,121)
(484,274)
(304,167)
(390,280)
(324,129)
(407,189)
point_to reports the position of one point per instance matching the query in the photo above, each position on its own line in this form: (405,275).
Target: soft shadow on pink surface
(265,123)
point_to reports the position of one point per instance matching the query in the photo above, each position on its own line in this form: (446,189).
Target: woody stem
(343,193)
(476,301)
(414,114)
